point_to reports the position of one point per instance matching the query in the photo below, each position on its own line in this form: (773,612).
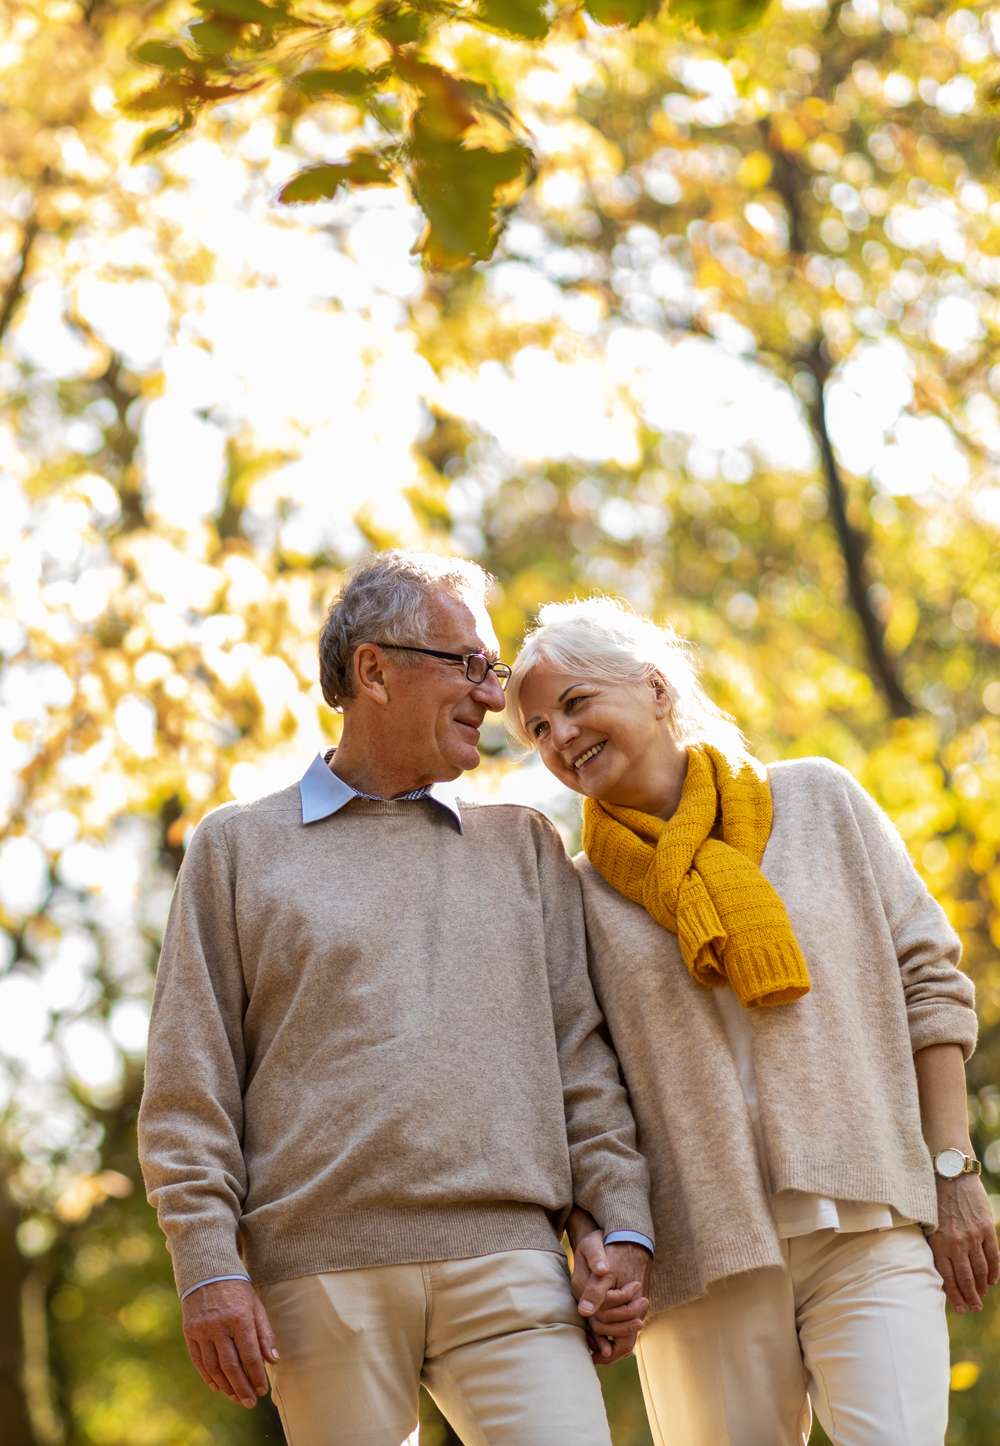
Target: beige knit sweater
(838,1094)
(374,1040)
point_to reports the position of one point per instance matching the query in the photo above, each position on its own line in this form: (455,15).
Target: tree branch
(853,545)
(15,287)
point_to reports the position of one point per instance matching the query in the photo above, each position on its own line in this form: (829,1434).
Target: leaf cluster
(461,149)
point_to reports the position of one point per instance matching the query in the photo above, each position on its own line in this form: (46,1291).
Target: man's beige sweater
(374,1040)
(837,1086)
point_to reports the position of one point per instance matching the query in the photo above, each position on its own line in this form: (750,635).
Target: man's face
(436,711)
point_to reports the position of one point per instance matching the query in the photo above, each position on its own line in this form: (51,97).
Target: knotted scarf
(729,920)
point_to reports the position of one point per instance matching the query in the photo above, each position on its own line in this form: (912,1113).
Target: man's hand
(965,1243)
(229,1336)
(611,1285)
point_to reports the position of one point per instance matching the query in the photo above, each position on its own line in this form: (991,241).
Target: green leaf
(163,54)
(250,12)
(457,189)
(152,142)
(350,81)
(215,36)
(320,183)
(720,17)
(400,26)
(527,18)
(619,12)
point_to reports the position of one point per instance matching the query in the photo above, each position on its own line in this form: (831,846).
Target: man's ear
(370,680)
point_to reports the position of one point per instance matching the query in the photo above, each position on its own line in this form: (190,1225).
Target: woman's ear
(661,694)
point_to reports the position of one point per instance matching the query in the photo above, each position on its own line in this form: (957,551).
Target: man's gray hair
(385,599)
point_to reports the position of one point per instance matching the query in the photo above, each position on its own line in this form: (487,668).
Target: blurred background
(732,360)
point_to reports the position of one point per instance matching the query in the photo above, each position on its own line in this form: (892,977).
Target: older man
(375,1083)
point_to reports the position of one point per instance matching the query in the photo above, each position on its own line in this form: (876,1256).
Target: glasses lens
(502,672)
(476,668)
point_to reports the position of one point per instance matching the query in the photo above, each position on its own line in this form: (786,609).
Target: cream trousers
(854,1329)
(496,1340)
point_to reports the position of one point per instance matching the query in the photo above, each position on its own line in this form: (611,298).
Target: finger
(943,1266)
(265,1335)
(622,1350)
(965,1281)
(992,1253)
(615,1328)
(635,1311)
(194,1351)
(980,1270)
(232,1366)
(215,1369)
(623,1295)
(591,1247)
(594,1295)
(600,1346)
(248,1345)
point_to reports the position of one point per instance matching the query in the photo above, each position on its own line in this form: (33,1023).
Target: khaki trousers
(496,1340)
(853,1328)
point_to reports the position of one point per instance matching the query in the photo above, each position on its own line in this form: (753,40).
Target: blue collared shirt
(324,794)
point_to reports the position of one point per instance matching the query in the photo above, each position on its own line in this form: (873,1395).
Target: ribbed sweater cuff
(204,1253)
(938,1023)
(623,1207)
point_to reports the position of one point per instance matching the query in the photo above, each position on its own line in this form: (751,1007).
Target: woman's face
(605,740)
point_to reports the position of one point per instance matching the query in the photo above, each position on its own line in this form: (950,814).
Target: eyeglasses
(477,665)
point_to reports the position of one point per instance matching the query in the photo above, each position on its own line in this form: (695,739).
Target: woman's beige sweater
(838,1091)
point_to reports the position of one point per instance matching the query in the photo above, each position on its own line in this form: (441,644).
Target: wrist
(579,1226)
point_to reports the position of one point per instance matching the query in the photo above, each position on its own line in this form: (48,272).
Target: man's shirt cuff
(632,1236)
(213,1278)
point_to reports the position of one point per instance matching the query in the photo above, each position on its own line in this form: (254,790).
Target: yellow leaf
(755,169)
(963,1375)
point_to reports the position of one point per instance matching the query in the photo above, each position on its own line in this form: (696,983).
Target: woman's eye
(539,730)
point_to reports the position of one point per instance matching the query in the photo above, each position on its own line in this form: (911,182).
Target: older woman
(784,998)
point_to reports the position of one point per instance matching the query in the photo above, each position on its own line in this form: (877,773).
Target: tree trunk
(14,1414)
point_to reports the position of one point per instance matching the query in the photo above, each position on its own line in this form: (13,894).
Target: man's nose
(489,693)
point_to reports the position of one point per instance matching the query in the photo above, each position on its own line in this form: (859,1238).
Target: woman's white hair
(603,640)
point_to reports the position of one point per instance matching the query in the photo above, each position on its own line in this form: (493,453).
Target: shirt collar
(323,794)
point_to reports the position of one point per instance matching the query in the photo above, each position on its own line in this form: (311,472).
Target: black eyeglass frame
(501,671)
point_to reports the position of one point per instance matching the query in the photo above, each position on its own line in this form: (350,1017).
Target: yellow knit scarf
(730,922)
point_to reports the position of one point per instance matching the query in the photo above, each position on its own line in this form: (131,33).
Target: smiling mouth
(590,753)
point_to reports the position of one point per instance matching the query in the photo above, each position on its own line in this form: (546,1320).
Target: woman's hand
(965,1243)
(611,1286)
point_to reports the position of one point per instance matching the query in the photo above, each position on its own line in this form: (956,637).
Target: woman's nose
(563,731)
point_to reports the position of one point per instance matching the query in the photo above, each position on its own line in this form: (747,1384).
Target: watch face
(950,1164)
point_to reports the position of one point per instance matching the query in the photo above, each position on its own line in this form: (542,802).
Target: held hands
(965,1243)
(611,1285)
(229,1337)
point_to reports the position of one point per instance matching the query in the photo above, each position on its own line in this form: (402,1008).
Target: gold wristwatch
(951,1163)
